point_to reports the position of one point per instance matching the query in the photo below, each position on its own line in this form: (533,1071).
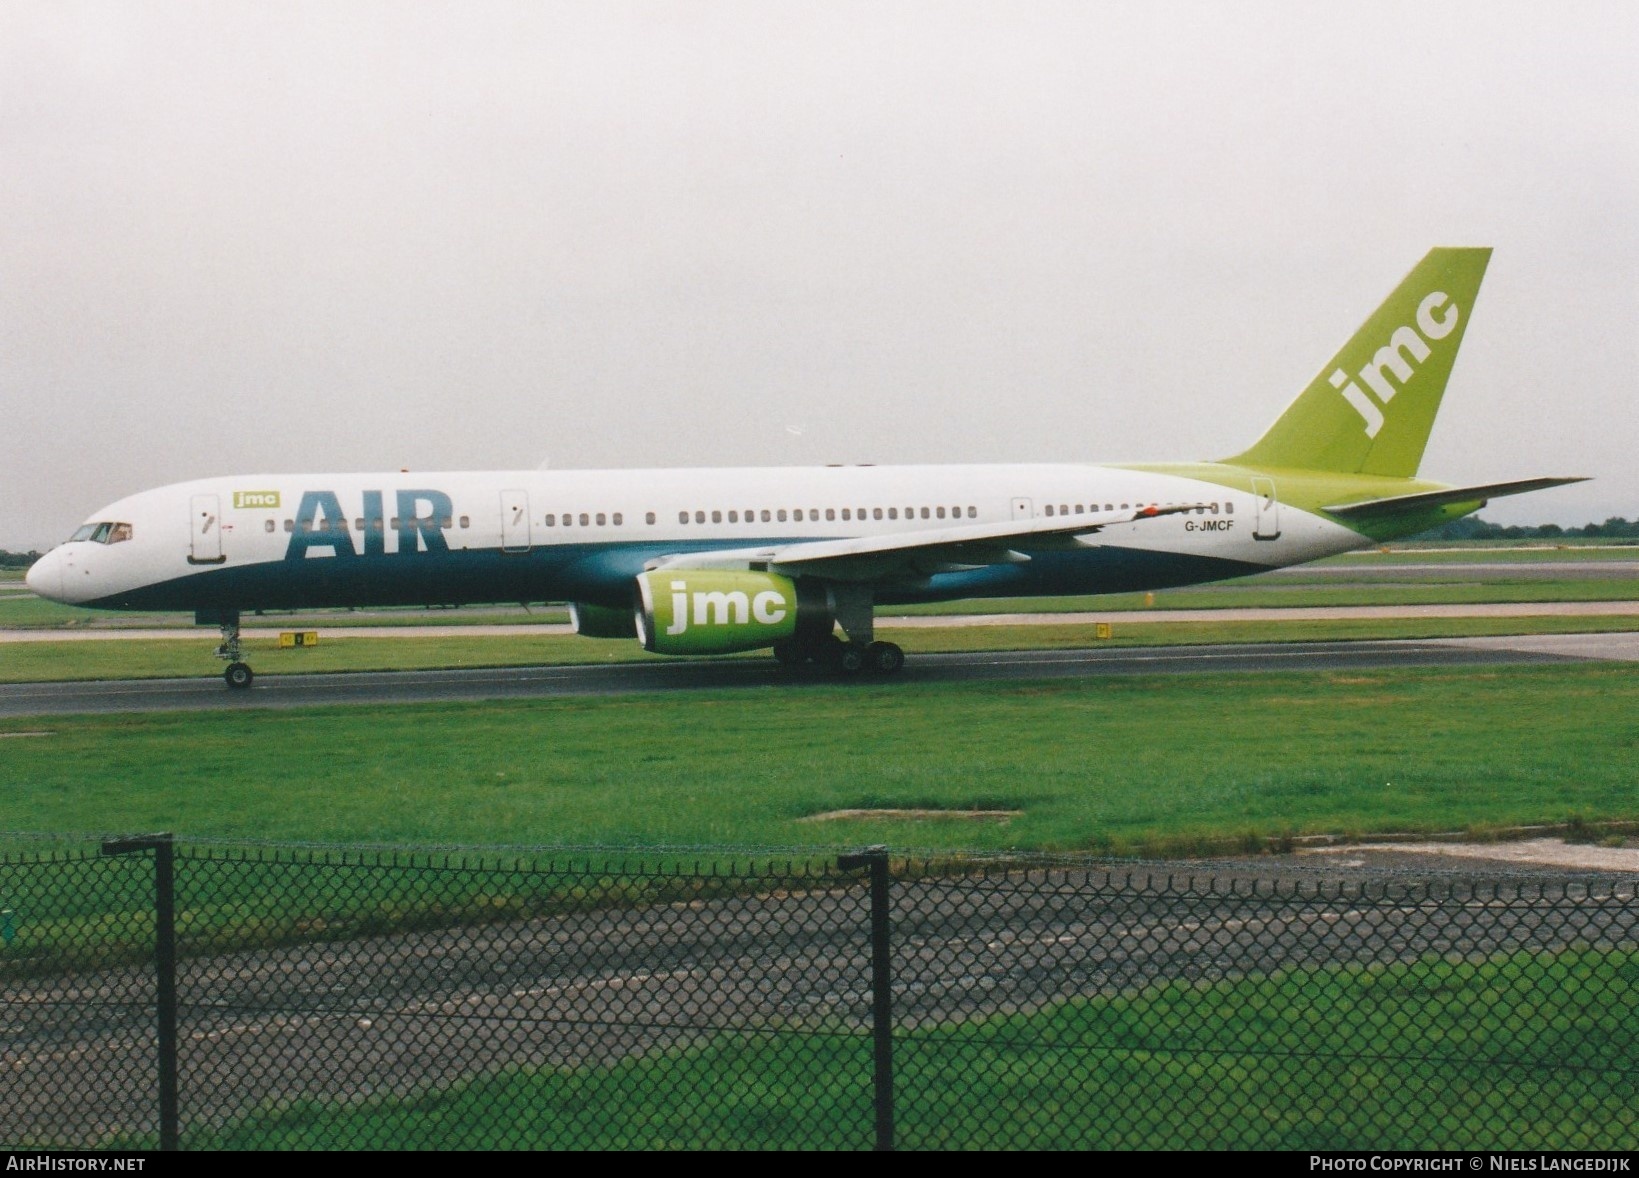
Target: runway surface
(421,687)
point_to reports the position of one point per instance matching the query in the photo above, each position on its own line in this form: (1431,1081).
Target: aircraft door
(514,521)
(1267,524)
(1023,509)
(205,546)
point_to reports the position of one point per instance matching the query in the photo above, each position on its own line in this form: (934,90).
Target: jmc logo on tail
(1405,347)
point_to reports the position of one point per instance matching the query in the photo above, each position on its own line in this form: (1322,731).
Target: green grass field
(1153,764)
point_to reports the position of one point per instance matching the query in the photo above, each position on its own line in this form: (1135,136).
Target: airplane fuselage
(459,538)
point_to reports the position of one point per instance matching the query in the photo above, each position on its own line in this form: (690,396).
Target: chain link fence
(209,996)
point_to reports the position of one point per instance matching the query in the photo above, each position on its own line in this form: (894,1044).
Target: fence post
(876,858)
(164,969)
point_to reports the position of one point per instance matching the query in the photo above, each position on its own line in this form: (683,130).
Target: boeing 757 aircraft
(711,561)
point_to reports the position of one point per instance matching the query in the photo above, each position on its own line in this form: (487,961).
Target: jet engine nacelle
(707,611)
(601,621)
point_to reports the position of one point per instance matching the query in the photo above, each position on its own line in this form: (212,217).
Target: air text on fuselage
(322,529)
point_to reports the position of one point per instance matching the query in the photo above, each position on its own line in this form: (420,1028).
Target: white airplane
(701,562)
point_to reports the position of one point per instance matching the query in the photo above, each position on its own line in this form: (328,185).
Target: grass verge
(1527,1052)
(1123,765)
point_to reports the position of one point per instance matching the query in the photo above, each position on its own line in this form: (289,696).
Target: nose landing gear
(238,675)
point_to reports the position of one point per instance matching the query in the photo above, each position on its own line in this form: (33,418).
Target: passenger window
(782,515)
(649,517)
(1229,509)
(765,515)
(973,513)
(682,517)
(583,520)
(1049,509)
(893,513)
(830,513)
(268,525)
(733,517)
(717,517)
(551,520)
(876,513)
(940,512)
(290,525)
(845,514)
(358,524)
(601,519)
(466,521)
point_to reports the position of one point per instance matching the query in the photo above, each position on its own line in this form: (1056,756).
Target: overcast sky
(256,237)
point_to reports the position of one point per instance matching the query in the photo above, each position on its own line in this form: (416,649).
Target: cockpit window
(102,532)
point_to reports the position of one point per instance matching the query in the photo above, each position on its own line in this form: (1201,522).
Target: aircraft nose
(45,576)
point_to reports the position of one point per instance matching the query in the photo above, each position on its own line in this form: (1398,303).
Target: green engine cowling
(707,611)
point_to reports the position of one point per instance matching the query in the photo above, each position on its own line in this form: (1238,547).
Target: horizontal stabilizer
(1395,504)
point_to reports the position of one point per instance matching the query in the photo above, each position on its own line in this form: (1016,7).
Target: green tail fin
(1370,410)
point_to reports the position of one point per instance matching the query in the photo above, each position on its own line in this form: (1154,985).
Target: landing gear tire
(883,658)
(847,659)
(238,676)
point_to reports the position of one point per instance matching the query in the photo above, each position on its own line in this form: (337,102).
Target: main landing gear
(853,609)
(841,657)
(238,675)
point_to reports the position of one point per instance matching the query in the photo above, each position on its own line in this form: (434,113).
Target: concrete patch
(971,815)
(1536,852)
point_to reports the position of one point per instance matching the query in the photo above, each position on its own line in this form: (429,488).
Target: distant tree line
(17,560)
(1474,528)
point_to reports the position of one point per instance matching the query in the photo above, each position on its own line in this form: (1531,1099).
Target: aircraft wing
(1395,504)
(923,552)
